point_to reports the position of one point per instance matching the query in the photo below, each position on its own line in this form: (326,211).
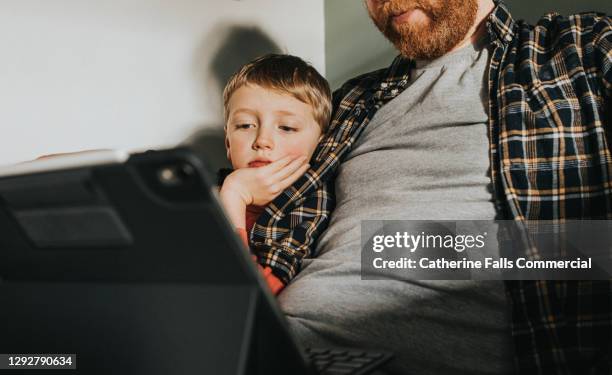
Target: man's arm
(273,282)
(291,226)
(291,232)
(283,245)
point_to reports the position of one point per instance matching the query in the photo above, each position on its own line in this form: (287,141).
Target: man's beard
(450,21)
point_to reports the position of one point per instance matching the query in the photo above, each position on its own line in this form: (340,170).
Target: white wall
(133,74)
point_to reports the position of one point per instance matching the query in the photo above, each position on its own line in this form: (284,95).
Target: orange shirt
(252,213)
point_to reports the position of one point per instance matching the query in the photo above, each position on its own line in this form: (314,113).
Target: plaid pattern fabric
(549,112)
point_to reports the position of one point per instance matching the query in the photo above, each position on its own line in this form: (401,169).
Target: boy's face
(265,125)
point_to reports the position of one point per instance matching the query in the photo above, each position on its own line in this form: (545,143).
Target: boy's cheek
(294,154)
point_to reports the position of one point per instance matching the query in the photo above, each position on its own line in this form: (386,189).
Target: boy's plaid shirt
(550,115)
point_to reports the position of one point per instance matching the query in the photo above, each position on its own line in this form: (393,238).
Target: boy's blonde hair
(287,74)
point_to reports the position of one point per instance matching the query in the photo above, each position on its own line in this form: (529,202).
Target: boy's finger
(284,162)
(290,168)
(279,164)
(294,176)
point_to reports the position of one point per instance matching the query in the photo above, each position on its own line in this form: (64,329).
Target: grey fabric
(423,156)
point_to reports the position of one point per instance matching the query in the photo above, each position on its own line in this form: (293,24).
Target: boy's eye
(243,126)
(287,128)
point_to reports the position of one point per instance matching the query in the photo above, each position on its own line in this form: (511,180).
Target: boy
(276,110)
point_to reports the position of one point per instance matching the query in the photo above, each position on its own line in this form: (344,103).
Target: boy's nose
(263,142)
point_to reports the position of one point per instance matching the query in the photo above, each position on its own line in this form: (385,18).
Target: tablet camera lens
(169,176)
(175,175)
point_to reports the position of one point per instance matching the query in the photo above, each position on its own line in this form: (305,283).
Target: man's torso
(424,155)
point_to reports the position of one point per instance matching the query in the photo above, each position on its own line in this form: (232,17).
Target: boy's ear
(227,149)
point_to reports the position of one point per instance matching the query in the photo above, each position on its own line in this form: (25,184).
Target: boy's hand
(259,186)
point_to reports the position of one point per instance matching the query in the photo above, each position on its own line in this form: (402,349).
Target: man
(480,117)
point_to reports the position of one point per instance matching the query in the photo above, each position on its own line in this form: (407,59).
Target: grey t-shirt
(423,156)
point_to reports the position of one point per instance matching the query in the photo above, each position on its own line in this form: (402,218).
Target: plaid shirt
(549,106)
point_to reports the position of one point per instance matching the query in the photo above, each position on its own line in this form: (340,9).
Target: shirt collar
(500,24)
(395,79)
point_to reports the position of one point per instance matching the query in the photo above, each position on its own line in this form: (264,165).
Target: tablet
(129,263)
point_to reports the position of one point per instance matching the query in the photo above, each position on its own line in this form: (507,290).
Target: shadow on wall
(236,45)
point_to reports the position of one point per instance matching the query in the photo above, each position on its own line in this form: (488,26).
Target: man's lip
(402,16)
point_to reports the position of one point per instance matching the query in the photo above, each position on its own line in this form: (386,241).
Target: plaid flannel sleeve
(287,232)
(292,230)
(292,226)
(563,326)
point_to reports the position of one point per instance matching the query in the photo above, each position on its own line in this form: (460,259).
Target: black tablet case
(134,268)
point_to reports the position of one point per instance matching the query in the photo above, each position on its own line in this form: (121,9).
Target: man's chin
(423,44)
